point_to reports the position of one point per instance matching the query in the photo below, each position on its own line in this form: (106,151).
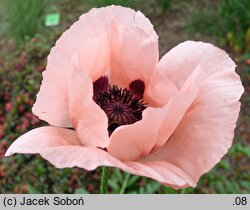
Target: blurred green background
(25,42)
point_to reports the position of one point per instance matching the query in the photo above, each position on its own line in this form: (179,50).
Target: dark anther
(137,88)
(100,85)
(122,106)
(112,126)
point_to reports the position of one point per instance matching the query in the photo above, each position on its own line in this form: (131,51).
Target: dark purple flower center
(122,106)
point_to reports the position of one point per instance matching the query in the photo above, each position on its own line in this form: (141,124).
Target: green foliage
(149,187)
(203,20)
(165,4)
(103,3)
(32,190)
(23,18)
(121,182)
(239,149)
(117,179)
(225,186)
(81,190)
(236,25)
(29,179)
(245,56)
(224,164)
(229,22)
(169,190)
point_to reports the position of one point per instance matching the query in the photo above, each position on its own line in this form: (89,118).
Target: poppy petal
(131,142)
(52,99)
(77,46)
(61,148)
(82,157)
(134,49)
(180,62)
(166,173)
(206,131)
(159,90)
(123,45)
(89,44)
(89,120)
(42,138)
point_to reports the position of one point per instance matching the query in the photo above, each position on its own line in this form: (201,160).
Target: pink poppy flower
(171,120)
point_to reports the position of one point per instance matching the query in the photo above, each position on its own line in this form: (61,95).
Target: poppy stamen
(121,105)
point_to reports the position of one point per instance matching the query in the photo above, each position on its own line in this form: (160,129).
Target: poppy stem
(104,180)
(124,184)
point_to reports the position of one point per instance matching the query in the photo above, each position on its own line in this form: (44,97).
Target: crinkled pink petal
(134,54)
(61,148)
(179,63)
(131,142)
(114,41)
(89,120)
(91,158)
(165,173)
(172,175)
(52,99)
(40,139)
(77,46)
(133,45)
(82,157)
(159,90)
(87,40)
(206,131)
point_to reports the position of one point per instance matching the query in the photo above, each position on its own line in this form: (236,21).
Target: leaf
(224,164)
(236,187)
(81,190)
(189,190)
(244,57)
(231,187)
(118,175)
(220,187)
(113,184)
(245,184)
(169,190)
(132,180)
(132,192)
(32,190)
(141,190)
(212,187)
(151,187)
